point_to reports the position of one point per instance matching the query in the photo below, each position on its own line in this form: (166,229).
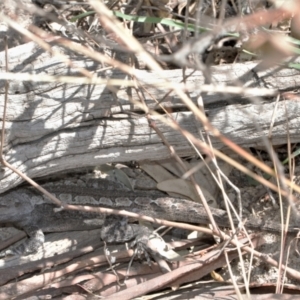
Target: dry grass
(160,40)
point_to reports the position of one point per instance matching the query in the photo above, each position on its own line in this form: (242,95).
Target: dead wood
(59,249)
(54,126)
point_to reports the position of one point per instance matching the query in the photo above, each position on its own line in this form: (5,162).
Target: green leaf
(146,19)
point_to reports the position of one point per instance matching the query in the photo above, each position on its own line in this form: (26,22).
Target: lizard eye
(18,204)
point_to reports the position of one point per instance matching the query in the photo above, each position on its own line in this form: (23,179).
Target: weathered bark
(52,127)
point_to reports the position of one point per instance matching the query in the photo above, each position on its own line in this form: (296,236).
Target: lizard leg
(117,230)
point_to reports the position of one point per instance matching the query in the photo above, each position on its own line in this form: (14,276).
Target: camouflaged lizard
(27,209)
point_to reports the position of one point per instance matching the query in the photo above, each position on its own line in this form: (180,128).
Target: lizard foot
(117,230)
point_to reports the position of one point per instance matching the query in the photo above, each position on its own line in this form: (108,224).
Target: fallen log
(52,127)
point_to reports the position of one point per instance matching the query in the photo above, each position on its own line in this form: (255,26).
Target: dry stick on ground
(41,280)
(12,272)
(41,189)
(110,211)
(82,47)
(202,265)
(12,240)
(49,195)
(196,186)
(3,161)
(291,272)
(179,160)
(64,166)
(104,135)
(32,182)
(44,45)
(74,207)
(91,162)
(78,113)
(281,185)
(56,200)
(81,208)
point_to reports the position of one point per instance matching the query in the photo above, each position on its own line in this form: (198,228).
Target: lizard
(27,209)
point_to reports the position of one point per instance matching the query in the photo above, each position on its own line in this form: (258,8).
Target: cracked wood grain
(55,127)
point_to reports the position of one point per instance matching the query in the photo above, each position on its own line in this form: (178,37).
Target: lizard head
(15,205)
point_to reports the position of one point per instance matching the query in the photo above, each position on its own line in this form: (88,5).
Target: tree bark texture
(52,127)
